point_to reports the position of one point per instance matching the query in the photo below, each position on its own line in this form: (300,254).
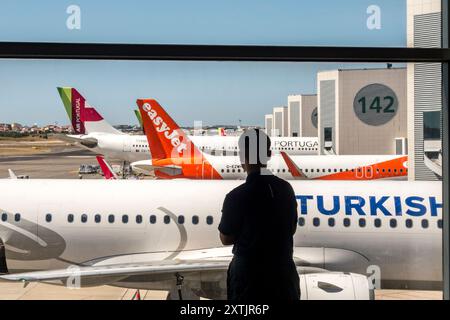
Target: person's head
(254,150)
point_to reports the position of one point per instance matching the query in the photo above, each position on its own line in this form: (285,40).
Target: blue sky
(210,91)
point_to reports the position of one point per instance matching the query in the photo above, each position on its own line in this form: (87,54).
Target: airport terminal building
(424,92)
(362,111)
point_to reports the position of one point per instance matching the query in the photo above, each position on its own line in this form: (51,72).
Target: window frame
(102,51)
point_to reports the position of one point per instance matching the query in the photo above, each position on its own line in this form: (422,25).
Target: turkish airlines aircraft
(142,234)
(96,134)
(176,156)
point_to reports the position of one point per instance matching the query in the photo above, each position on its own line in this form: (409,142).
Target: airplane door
(126,144)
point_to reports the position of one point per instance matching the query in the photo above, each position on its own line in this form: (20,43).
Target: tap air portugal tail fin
(84,118)
(108,172)
(166,139)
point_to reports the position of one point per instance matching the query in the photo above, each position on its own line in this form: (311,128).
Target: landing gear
(180,280)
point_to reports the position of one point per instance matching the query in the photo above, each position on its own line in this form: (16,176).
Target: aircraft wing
(120,270)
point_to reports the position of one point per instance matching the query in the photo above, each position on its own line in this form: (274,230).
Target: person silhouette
(259,218)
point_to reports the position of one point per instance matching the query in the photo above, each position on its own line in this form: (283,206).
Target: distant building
(268,124)
(302,115)
(280,122)
(424,82)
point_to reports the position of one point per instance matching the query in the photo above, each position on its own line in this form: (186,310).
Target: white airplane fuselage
(133,148)
(361,232)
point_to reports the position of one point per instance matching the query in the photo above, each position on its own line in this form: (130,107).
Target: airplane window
(439,223)
(70,218)
(180,219)
(301,221)
(228,170)
(98,218)
(425,223)
(166,219)
(84,218)
(48,217)
(17,217)
(318,170)
(347,222)
(111,218)
(222,170)
(323,170)
(209,220)
(331,222)
(409,223)
(233,171)
(377,223)
(335,170)
(316,222)
(393,223)
(384,170)
(139,219)
(329,170)
(389,170)
(362,222)
(4,217)
(306,170)
(125,218)
(194,219)
(152,219)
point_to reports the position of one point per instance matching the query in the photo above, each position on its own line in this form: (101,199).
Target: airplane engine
(335,286)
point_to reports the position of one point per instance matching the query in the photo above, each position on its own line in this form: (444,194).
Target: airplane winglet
(293,168)
(108,172)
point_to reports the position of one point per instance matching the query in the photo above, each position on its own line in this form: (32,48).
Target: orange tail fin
(165,137)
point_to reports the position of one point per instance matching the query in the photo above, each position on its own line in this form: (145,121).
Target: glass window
(84,218)
(432,125)
(409,223)
(316,222)
(152,219)
(98,218)
(138,219)
(111,218)
(48,217)
(194,219)
(181,219)
(301,221)
(377,223)
(425,223)
(70,218)
(17,217)
(331,222)
(166,219)
(4,217)
(346,222)
(439,223)
(209,220)
(362,222)
(393,223)
(124,218)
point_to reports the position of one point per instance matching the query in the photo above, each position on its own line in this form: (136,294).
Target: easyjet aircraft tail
(84,118)
(166,139)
